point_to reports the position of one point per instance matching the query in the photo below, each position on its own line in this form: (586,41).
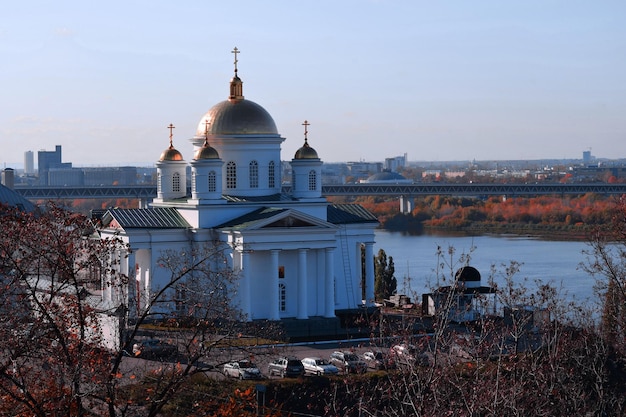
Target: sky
(437,80)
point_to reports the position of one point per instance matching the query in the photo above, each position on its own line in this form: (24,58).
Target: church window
(176,182)
(282,297)
(193,180)
(254,174)
(281,271)
(95,273)
(271,175)
(231,175)
(159,181)
(293,181)
(312,181)
(212,182)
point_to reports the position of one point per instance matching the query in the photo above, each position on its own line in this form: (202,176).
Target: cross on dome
(206,132)
(306,124)
(235,51)
(171,127)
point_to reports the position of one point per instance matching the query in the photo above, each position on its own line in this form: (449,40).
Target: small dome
(467,274)
(306,152)
(386,176)
(171,154)
(206,152)
(237,117)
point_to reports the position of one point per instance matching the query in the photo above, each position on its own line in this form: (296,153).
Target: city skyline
(376,79)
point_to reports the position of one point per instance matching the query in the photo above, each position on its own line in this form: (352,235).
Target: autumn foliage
(575,213)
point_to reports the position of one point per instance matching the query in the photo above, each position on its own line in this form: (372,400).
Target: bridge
(147,192)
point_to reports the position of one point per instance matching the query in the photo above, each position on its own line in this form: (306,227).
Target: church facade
(296,255)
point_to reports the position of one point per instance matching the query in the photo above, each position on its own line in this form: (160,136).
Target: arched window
(254,174)
(211,180)
(95,273)
(231,175)
(312,181)
(271,172)
(282,297)
(176,182)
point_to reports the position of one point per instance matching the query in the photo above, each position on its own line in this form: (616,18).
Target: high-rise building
(47,160)
(29,163)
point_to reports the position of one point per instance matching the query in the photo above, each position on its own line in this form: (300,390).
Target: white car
(243,369)
(319,367)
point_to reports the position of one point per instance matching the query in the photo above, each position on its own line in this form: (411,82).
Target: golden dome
(171,154)
(206,152)
(306,152)
(237,117)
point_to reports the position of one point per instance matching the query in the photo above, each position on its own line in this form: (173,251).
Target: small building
(470,300)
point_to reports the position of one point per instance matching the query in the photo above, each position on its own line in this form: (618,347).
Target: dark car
(286,367)
(154,348)
(348,362)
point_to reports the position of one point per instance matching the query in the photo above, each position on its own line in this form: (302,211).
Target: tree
(54,356)
(606,260)
(385,282)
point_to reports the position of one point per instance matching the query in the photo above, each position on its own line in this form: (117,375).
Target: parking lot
(136,366)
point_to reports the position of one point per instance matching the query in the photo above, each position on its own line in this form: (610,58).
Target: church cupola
(236,85)
(306,169)
(245,137)
(171,173)
(206,173)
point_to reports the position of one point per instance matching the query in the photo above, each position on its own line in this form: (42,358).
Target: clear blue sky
(439,80)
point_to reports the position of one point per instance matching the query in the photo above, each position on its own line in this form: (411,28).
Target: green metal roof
(349,213)
(12,198)
(147,218)
(247,220)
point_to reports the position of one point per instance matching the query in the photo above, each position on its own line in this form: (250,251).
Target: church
(296,255)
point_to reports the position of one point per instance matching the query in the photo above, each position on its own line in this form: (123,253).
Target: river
(556,262)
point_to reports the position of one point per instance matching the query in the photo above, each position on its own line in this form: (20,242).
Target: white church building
(296,255)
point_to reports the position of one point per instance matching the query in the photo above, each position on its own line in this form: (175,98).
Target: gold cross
(235,51)
(171,128)
(306,124)
(206,131)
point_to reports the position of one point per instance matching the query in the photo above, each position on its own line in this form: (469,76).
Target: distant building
(110,176)
(29,163)
(396,163)
(362,170)
(47,160)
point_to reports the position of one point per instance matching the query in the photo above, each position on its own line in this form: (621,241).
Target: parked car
(377,359)
(348,362)
(243,369)
(154,348)
(286,366)
(405,354)
(318,366)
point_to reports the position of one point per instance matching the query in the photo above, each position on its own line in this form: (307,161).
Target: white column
(302,285)
(369,273)
(133,299)
(329,283)
(274,294)
(244,285)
